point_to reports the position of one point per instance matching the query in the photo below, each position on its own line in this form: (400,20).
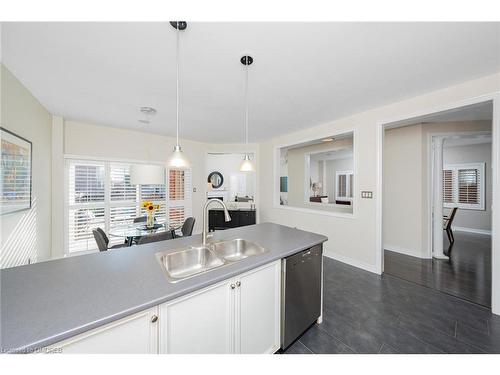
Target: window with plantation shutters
(448,186)
(122,199)
(464,186)
(158,195)
(179,196)
(99,194)
(86,204)
(344,185)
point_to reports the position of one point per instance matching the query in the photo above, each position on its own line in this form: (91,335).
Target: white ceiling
(304,74)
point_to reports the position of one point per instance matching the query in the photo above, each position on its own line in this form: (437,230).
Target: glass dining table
(135,231)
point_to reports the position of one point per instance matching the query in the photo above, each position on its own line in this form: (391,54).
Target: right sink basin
(237,249)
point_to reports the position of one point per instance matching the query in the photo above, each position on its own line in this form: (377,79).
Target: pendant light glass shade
(246,165)
(178,160)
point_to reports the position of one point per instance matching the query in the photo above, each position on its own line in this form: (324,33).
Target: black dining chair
(103,241)
(187,227)
(163,236)
(447,222)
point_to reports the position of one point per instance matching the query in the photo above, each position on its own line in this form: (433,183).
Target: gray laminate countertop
(47,302)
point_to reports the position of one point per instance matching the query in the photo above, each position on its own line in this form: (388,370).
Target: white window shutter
(448,186)
(179,196)
(468,186)
(464,186)
(86,204)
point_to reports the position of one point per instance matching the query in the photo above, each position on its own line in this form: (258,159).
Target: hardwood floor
(368,313)
(466,275)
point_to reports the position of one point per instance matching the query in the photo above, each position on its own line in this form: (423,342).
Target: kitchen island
(49,302)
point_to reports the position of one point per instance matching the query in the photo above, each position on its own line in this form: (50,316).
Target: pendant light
(178,159)
(246,165)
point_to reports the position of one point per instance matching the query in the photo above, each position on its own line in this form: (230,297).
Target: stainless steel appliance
(300,293)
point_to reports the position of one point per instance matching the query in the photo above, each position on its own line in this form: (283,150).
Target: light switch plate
(367,194)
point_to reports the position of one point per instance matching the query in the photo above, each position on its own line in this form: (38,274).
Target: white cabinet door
(201,322)
(137,333)
(258,310)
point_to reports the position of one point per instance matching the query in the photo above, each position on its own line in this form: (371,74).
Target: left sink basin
(188,262)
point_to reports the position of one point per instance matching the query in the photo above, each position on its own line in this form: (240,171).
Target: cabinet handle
(154,318)
(238,284)
(233,286)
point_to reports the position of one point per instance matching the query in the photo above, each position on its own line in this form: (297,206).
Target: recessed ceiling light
(146,112)
(327,140)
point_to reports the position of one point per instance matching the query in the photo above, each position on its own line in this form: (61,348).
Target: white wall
(354,239)
(228,165)
(478,153)
(406,176)
(403,191)
(26,235)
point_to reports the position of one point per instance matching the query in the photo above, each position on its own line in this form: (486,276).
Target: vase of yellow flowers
(150,211)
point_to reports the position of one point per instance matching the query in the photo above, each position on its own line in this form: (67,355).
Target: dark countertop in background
(46,302)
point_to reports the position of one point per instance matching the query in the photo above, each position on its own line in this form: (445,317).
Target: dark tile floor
(368,313)
(467,274)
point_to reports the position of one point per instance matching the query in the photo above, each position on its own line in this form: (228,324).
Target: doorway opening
(437,201)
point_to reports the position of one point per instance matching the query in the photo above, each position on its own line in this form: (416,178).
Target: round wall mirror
(216,179)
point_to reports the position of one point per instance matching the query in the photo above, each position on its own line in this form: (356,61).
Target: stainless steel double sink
(194,260)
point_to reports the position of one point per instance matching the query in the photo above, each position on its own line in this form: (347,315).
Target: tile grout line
(305,346)
(335,338)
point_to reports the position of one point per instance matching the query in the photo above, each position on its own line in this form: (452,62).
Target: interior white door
(258,310)
(135,334)
(200,323)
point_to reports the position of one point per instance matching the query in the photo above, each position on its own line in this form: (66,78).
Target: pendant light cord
(177,85)
(246,104)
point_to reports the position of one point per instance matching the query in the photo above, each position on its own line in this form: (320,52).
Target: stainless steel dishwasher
(300,293)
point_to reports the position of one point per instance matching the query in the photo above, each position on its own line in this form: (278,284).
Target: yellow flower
(146,204)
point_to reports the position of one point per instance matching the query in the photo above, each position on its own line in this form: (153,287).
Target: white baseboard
(412,253)
(472,230)
(352,262)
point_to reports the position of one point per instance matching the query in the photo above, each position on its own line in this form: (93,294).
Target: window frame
(349,188)
(480,167)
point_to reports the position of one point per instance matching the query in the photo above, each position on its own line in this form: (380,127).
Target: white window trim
(482,186)
(348,185)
